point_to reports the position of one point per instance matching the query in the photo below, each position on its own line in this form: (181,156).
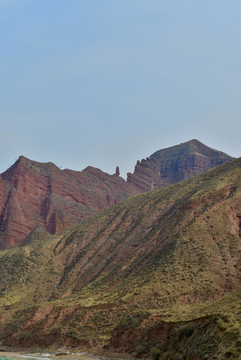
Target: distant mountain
(158,273)
(174,164)
(34,194)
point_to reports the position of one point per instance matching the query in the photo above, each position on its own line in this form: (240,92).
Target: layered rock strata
(34,194)
(40,194)
(174,164)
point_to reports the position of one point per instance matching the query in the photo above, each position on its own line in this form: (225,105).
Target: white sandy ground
(76,356)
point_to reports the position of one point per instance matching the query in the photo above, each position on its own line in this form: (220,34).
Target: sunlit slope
(179,244)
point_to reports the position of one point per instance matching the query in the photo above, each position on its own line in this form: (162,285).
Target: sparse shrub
(185,330)
(54,331)
(157,325)
(139,350)
(229,353)
(156,353)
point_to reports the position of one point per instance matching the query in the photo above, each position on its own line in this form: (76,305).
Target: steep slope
(136,273)
(174,164)
(36,194)
(33,194)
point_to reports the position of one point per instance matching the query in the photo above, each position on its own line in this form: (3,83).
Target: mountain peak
(35,193)
(192,147)
(176,163)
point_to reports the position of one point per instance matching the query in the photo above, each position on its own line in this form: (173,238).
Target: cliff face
(33,194)
(36,194)
(158,270)
(174,164)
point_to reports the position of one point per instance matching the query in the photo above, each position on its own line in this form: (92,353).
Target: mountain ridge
(40,194)
(154,265)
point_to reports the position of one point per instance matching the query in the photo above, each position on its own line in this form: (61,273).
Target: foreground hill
(38,198)
(159,270)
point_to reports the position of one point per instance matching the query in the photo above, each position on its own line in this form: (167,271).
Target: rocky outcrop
(36,194)
(174,164)
(40,194)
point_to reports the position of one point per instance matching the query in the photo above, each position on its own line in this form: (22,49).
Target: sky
(106,83)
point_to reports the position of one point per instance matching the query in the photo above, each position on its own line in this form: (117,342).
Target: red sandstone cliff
(174,164)
(41,195)
(33,194)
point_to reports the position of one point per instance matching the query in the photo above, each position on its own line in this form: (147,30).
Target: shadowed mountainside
(160,269)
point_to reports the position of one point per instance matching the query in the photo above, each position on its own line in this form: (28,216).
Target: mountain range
(157,274)
(37,199)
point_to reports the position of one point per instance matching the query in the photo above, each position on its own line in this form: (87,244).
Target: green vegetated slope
(170,257)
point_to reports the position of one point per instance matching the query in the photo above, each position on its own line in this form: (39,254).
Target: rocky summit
(37,195)
(174,164)
(156,275)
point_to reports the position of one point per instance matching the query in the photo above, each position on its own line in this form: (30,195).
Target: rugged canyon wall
(36,194)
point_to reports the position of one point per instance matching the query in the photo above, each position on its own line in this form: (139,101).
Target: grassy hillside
(169,257)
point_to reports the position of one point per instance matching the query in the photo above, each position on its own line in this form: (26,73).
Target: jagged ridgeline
(37,195)
(156,261)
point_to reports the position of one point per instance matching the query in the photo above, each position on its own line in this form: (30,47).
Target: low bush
(139,350)
(185,330)
(156,353)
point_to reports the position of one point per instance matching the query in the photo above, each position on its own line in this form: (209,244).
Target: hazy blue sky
(105,83)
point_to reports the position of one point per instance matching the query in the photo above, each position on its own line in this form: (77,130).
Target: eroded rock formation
(36,194)
(174,164)
(33,194)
